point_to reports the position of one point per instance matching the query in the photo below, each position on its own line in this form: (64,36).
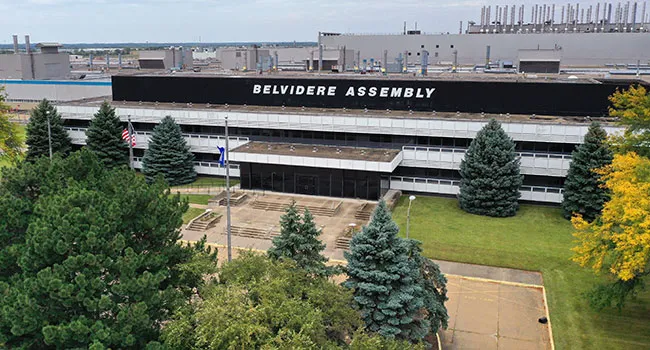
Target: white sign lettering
(361,91)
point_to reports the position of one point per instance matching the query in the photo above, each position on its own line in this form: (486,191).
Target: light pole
(49,132)
(228,228)
(408,215)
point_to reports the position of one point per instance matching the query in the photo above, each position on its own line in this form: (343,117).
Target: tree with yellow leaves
(618,242)
(10,140)
(632,107)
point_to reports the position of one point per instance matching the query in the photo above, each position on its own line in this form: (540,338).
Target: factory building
(46,63)
(286,58)
(172,58)
(591,36)
(359,137)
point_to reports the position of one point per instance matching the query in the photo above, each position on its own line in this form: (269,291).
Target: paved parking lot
(493,315)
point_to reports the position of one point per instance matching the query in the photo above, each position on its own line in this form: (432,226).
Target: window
(422,46)
(452,46)
(437,46)
(409,54)
(436,54)
(418,54)
(238,54)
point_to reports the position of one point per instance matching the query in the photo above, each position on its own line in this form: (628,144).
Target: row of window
(345,139)
(529,180)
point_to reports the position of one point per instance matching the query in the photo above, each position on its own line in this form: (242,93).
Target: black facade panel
(543,98)
(539,67)
(311,181)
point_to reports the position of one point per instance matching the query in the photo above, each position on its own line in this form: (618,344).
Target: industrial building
(172,58)
(591,36)
(286,58)
(359,137)
(47,63)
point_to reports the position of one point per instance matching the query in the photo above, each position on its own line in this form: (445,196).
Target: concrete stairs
(253,232)
(278,206)
(197,224)
(364,212)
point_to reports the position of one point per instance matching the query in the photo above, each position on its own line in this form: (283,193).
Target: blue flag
(222,155)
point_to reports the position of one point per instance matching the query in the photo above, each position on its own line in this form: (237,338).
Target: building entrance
(307,184)
(312,181)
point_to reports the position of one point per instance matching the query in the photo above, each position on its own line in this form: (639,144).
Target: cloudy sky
(92,21)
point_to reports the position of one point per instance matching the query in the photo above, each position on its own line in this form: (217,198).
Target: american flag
(125,137)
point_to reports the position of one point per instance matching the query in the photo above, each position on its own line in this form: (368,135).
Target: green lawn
(539,239)
(206,181)
(197,198)
(191,213)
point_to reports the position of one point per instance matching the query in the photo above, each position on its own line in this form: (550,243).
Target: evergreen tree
(93,256)
(104,137)
(434,284)
(37,136)
(387,283)
(490,178)
(168,155)
(298,241)
(584,193)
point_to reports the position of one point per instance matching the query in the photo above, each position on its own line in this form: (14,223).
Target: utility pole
(228,231)
(49,133)
(129,128)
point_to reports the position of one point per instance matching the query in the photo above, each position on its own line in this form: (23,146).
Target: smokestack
(505,16)
(28,48)
(643,14)
(562,16)
(487,57)
(119,60)
(553,14)
(634,16)
(16,44)
(482,16)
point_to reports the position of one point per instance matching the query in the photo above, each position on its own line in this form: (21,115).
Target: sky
(104,21)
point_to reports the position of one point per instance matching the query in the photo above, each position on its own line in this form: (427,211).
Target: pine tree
(298,241)
(168,155)
(89,257)
(583,190)
(37,136)
(490,174)
(387,283)
(104,137)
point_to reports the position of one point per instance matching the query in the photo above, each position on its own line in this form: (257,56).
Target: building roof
(342,112)
(319,151)
(42,45)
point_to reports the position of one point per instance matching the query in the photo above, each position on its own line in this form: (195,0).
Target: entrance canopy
(317,156)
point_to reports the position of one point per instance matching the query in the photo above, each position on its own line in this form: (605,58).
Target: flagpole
(228,195)
(129,128)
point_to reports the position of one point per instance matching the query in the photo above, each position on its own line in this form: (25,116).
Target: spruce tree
(298,241)
(89,257)
(168,155)
(37,135)
(104,137)
(583,191)
(386,281)
(490,174)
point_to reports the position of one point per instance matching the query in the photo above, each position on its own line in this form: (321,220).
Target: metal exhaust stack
(28,48)
(15,44)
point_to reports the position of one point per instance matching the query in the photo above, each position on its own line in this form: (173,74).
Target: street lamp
(408,215)
(49,132)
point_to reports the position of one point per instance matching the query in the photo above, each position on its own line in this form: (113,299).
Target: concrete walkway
(336,255)
(491,273)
